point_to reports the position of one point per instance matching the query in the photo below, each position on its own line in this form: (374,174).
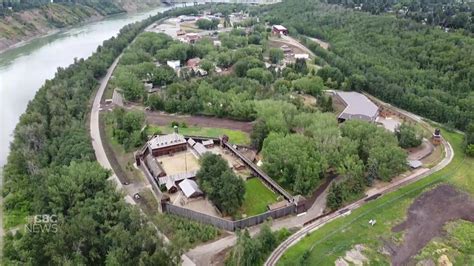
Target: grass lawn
(257,197)
(325,245)
(235,136)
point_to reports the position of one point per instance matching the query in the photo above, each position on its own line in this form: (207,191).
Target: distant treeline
(416,67)
(446,13)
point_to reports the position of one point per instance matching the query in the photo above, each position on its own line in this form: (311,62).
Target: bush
(222,186)
(407,136)
(206,24)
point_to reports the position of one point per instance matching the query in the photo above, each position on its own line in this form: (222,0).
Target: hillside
(25,24)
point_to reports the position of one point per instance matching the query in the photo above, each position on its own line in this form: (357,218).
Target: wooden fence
(228,224)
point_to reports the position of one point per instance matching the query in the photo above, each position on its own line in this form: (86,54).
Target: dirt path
(101,156)
(323,44)
(159,118)
(426,218)
(292,42)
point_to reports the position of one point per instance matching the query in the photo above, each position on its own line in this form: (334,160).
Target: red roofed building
(279,29)
(193,62)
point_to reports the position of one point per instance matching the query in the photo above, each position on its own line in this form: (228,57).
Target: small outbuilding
(192,37)
(154,167)
(174,64)
(302,56)
(279,30)
(191,142)
(193,62)
(414,164)
(190,188)
(208,143)
(200,149)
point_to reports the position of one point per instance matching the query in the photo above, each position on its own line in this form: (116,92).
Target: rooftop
(190,188)
(279,27)
(358,106)
(200,149)
(166,141)
(415,164)
(176,177)
(153,166)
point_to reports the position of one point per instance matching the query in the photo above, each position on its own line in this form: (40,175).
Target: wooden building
(166,144)
(279,30)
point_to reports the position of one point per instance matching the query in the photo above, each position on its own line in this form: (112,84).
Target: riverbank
(39,58)
(22,27)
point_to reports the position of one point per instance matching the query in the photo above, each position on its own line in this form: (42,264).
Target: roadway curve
(99,149)
(293,239)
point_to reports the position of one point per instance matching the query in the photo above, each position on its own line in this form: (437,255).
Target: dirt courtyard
(180,162)
(159,118)
(426,218)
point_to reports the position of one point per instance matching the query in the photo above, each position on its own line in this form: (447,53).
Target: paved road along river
(24,69)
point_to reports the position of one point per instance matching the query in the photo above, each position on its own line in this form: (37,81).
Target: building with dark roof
(154,167)
(166,144)
(358,106)
(279,30)
(200,149)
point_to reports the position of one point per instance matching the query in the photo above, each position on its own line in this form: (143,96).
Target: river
(24,69)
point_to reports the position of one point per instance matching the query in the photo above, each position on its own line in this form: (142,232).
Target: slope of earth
(330,242)
(426,218)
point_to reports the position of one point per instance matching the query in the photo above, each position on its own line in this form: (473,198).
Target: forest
(416,67)
(447,13)
(51,170)
(300,144)
(254,250)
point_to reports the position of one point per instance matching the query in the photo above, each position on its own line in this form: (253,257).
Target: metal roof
(191,142)
(176,177)
(200,149)
(358,106)
(208,142)
(153,166)
(166,141)
(415,164)
(279,27)
(190,188)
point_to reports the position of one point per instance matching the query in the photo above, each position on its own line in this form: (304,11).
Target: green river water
(24,69)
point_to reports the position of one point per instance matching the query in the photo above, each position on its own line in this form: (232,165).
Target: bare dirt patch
(426,218)
(277,43)
(200,121)
(323,44)
(180,162)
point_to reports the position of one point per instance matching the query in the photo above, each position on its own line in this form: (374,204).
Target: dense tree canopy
(408,136)
(207,24)
(292,162)
(469,140)
(51,170)
(253,251)
(416,67)
(221,185)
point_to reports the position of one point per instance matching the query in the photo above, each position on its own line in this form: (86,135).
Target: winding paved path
(99,149)
(293,239)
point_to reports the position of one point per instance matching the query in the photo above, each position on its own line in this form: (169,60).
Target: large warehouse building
(358,106)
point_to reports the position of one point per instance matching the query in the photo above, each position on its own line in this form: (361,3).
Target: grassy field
(257,197)
(455,243)
(331,241)
(235,136)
